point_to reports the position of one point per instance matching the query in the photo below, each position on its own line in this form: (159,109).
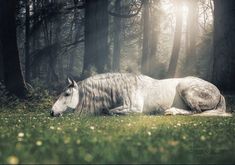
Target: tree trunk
(146,37)
(53,57)
(96,37)
(58,57)
(177,42)
(117,33)
(35,40)
(155,27)
(27,55)
(12,72)
(191,59)
(1,63)
(73,55)
(224,41)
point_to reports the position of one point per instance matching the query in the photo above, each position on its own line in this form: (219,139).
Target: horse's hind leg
(199,95)
(213,113)
(220,110)
(203,98)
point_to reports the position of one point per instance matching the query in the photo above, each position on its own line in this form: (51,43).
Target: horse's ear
(69,81)
(75,84)
(72,83)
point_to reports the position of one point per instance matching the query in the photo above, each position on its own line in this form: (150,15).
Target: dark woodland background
(42,42)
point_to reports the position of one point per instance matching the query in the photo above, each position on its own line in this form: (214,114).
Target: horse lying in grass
(125,93)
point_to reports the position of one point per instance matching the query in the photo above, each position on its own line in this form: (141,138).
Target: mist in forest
(57,39)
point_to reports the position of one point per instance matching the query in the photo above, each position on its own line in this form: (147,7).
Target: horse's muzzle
(53,114)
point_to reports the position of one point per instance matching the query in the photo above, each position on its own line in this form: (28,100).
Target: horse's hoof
(168,113)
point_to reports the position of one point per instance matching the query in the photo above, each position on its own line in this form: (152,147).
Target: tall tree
(154,35)
(116,38)
(96,37)
(35,40)
(58,58)
(77,34)
(27,55)
(1,63)
(150,37)
(224,41)
(192,31)
(146,37)
(177,40)
(12,72)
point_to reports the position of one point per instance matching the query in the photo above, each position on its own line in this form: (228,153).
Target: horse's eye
(66,94)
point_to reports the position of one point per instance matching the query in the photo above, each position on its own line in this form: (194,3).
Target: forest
(45,42)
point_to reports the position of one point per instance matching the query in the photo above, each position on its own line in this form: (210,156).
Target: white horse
(125,93)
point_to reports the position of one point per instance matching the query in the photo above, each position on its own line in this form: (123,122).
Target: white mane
(102,92)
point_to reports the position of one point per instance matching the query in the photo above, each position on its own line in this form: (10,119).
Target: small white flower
(39,143)
(203,138)
(21,134)
(92,127)
(78,141)
(13,160)
(51,127)
(178,124)
(149,133)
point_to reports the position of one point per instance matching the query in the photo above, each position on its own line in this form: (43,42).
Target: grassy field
(34,137)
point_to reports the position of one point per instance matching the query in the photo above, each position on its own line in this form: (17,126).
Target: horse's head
(68,99)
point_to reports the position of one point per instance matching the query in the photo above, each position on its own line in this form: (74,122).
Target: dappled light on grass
(123,139)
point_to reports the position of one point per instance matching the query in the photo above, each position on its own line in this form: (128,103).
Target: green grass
(34,137)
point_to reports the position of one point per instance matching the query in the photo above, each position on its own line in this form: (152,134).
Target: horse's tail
(220,109)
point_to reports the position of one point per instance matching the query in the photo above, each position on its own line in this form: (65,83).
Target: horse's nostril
(52,113)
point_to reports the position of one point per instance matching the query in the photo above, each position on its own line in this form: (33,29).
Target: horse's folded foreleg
(123,110)
(176,111)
